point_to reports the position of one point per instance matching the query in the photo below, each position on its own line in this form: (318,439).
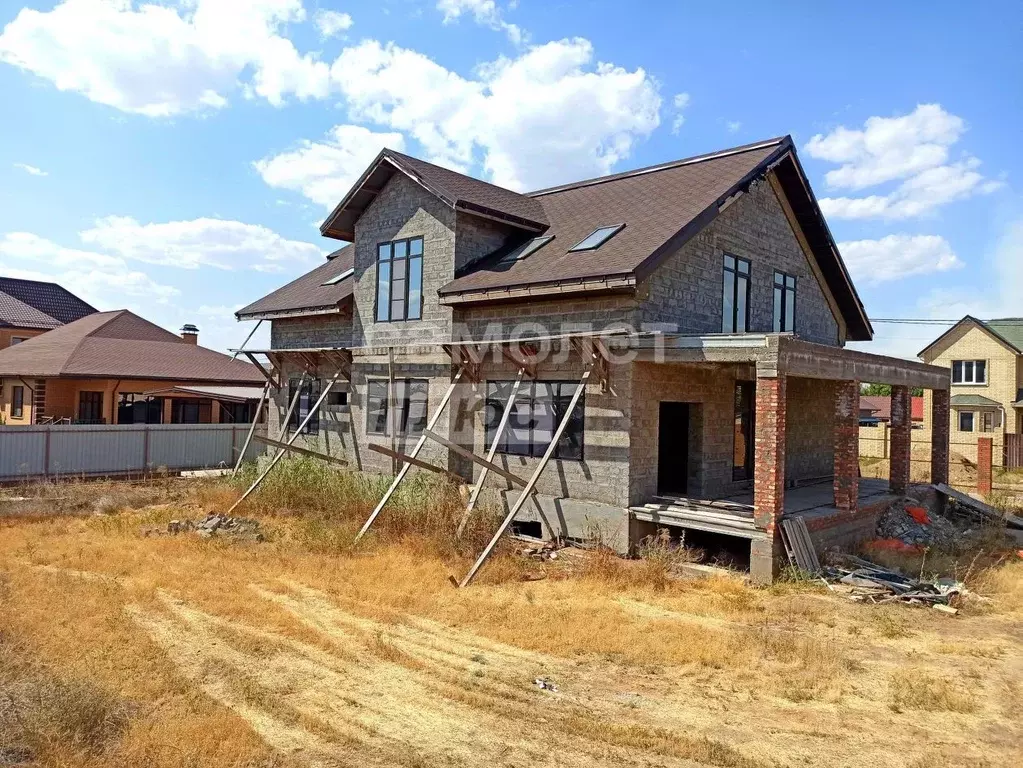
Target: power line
(1013,321)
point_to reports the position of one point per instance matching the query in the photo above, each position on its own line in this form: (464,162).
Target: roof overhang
(340,224)
(199,392)
(332,309)
(611,283)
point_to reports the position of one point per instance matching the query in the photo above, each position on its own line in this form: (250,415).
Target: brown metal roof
(49,298)
(121,345)
(308,292)
(456,189)
(653,204)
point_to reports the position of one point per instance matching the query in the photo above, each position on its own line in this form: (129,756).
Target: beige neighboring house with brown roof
(116,367)
(985,361)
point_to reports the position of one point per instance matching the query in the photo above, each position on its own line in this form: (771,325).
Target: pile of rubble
(907,522)
(241,528)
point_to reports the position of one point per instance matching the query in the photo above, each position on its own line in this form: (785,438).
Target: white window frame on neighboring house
(964,373)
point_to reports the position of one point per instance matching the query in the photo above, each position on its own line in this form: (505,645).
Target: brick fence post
(769,475)
(985,454)
(847,445)
(902,424)
(939,435)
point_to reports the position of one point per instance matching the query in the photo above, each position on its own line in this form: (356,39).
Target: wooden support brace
(252,429)
(415,452)
(303,451)
(490,454)
(531,484)
(291,440)
(519,360)
(262,369)
(247,339)
(413,461)
(474,458)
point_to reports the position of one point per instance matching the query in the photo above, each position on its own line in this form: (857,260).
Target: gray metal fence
(97,450)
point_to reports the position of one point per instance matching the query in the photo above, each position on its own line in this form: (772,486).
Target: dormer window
(400,280)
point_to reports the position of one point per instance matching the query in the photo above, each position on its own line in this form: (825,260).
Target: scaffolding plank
(474,458)
(414,461)
(304,451)
(802,545)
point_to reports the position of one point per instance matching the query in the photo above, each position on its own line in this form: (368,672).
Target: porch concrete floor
(817,496)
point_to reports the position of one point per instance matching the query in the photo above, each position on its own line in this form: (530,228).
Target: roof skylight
(339,278)
(596,238)
(526,249)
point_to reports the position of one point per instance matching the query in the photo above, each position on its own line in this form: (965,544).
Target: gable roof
(1007,330)
(661,207)
(49,299)
(459,191)
(308,293)
(121,345)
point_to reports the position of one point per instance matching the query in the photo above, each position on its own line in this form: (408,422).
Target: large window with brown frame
(400,280)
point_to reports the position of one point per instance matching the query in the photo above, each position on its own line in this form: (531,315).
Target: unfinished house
(660,348)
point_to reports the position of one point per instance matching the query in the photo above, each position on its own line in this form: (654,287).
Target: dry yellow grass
(305,651)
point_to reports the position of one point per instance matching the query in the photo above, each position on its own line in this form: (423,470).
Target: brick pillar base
(939,435)
(769,476)
(847,445)
(985,454)
(902,424)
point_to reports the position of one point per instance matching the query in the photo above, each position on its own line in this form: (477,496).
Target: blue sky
(176,158)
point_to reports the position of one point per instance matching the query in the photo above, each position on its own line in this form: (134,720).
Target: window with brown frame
(735,295)
(17,402)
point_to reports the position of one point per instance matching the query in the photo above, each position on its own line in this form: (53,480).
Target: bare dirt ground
(121,649)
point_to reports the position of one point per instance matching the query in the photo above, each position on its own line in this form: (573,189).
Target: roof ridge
(450,170)
(660,166)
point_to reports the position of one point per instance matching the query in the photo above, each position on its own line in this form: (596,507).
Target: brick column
(939,435)
(902,424)
(847,445)
(769,475)
(985,454)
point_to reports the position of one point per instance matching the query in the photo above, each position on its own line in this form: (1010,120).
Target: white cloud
(199,242)
(733,126)
(332,23)
(681,101)
(484,12)
(544,117)
(157,60)
(325,170)
(31,169)
(897,256)
(911,149)
(102,280)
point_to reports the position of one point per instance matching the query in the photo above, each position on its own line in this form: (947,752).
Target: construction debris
(907,522)
(967,505)
(238,528)
(873,584)
(545,685)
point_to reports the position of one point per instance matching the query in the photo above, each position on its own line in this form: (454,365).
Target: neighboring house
(29,308)
(115,368)
(878,408)
(985,363)
(720,375)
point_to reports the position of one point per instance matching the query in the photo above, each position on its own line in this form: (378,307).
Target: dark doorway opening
(673,449)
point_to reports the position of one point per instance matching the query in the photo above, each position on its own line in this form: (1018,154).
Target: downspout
(113,401)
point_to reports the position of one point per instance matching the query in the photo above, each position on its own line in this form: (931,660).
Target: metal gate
(1014,451)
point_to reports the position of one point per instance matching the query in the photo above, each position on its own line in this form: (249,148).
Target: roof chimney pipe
(190,333)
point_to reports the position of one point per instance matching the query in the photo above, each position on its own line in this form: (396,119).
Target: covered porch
(794,432)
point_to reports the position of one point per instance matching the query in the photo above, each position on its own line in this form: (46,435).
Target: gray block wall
(686,289)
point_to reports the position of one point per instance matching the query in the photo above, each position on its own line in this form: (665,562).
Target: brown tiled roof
(653,204)
(470,193)
(18,314)
(308,292)
(49,298)
(121,345)
(456,189)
